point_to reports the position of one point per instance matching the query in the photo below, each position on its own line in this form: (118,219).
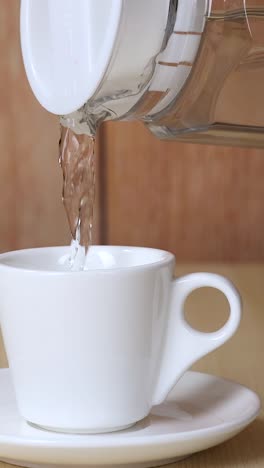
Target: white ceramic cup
(93,351)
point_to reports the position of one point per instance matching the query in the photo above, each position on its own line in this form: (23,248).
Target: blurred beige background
(204,203)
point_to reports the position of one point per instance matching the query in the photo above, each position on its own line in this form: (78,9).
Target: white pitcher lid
(63,67)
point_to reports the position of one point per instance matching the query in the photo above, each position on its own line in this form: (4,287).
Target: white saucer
(201,411)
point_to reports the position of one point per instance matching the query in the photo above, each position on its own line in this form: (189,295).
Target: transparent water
(77,160)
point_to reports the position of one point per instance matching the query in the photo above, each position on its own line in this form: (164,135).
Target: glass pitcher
(190,70)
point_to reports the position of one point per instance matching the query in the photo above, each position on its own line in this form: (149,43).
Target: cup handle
(183,345)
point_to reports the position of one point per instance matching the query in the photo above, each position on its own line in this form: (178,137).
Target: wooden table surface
(241,359)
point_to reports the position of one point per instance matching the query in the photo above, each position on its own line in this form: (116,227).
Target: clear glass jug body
(223,101)
(208,92)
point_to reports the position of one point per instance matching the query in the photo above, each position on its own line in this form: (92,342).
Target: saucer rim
(77,451)
(74,441)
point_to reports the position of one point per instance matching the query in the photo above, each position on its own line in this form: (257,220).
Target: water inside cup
(57,259)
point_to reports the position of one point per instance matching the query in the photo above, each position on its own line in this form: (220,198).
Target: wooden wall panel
(201,202)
